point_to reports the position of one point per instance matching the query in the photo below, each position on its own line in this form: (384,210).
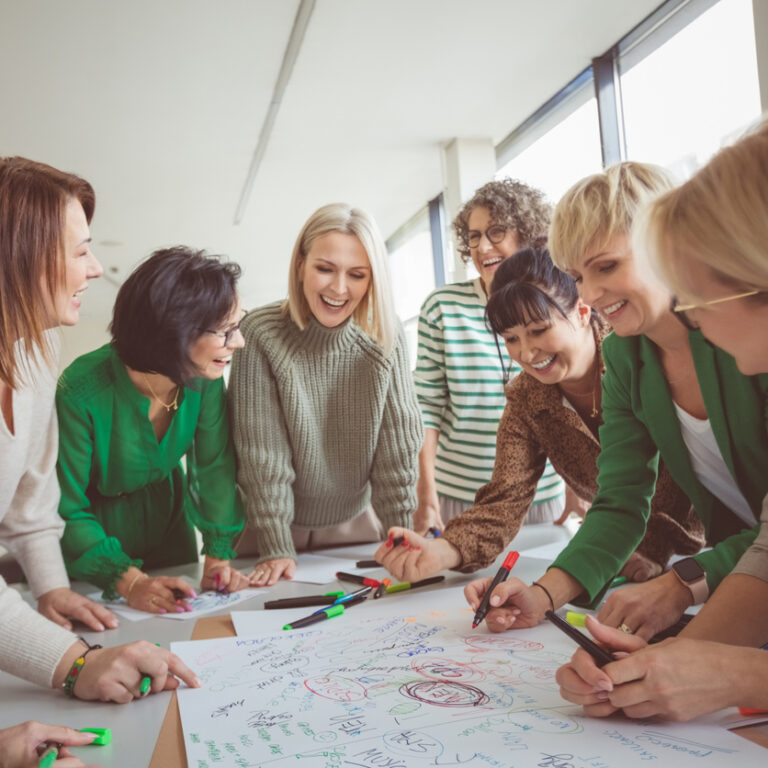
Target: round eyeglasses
(494,235)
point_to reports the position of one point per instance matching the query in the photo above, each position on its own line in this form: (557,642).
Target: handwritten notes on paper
(412,693)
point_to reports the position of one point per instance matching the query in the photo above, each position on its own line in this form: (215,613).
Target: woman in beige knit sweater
(324,415)
(553,411)
(45,265)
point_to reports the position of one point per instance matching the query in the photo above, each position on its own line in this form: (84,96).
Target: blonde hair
(718,220)
(600,207)
(375,314)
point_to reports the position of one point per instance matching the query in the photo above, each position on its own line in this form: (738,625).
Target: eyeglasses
(229,334)
(692,325)
(494,234)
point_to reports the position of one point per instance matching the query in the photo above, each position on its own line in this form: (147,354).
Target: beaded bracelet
(69,681)
(546,592)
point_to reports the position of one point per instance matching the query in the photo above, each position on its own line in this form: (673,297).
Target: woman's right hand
(155,595)
(417,558)
(583,682)
(645,609)
(115,674)
(513,603)
(19,744)
(269,572)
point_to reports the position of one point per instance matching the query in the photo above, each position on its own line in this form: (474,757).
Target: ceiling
(160,106)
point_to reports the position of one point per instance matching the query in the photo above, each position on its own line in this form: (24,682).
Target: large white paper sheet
(412,692)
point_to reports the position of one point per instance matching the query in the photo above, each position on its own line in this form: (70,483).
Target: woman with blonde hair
(45,266)
(667,393)
(707,240)
(324,416)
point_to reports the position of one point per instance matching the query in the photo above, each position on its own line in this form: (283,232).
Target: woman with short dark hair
(129,412)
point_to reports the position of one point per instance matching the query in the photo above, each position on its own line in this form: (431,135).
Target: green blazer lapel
(660,419)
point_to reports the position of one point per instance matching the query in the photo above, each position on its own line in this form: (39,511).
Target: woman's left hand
(62,604)
(219,576)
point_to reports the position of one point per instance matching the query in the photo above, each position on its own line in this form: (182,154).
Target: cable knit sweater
(30,528)
(324,424)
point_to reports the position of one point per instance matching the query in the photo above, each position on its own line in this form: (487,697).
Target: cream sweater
(30,527)
(324,424)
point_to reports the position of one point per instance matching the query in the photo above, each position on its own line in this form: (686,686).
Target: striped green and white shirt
(459,384)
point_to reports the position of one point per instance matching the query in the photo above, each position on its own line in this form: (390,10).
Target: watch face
(688,569)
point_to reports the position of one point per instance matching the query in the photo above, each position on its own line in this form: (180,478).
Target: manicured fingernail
(198,682)
(388,544)
(495,600)
(193,593)
(604,685)
(101,627)
(179,609)
(162,610)
(602,696)
(188,608)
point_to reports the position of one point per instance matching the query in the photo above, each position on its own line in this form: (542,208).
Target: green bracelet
(69,681)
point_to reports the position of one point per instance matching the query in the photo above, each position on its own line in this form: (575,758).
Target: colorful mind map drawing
(412,693)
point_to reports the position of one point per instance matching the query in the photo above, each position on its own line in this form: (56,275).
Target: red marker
(482,609)
(355,579)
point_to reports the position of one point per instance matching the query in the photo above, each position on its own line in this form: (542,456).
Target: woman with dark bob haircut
(129,411)
(553,412)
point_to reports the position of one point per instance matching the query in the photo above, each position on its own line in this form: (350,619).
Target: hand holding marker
(503,573)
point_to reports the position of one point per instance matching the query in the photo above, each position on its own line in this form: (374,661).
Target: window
(560,147)
(683,98)
(412,268)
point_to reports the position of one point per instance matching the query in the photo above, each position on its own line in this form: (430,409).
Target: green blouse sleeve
(627,469)
(89,554)
(216,509)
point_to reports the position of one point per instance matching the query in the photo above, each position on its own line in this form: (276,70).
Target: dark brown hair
(166,304)
(33,204)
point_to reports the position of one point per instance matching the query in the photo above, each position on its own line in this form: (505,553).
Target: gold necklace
(594,411)
(173,405)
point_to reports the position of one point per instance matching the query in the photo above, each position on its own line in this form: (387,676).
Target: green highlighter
(103,735)
(49,758)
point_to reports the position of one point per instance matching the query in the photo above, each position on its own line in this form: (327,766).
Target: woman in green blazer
(659,376)
(707,239)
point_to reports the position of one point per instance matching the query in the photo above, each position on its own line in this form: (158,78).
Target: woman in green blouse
(128,413)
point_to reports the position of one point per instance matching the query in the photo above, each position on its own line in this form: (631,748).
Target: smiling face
(486,256)
(335,277)
(609,281)
(80,266)
(210,353)
(737,326)
(554,350)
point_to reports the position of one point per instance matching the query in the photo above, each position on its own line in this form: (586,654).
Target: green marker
(326,613)
(103,735)
(146,681)
(618,581)
(49,758)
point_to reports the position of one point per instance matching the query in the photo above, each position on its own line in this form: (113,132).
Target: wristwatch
(692,575)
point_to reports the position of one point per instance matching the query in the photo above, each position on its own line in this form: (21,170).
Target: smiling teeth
(614,307)
(333,303)
(491,262)
(543,363)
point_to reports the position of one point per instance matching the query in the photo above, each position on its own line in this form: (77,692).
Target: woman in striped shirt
(459,375)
